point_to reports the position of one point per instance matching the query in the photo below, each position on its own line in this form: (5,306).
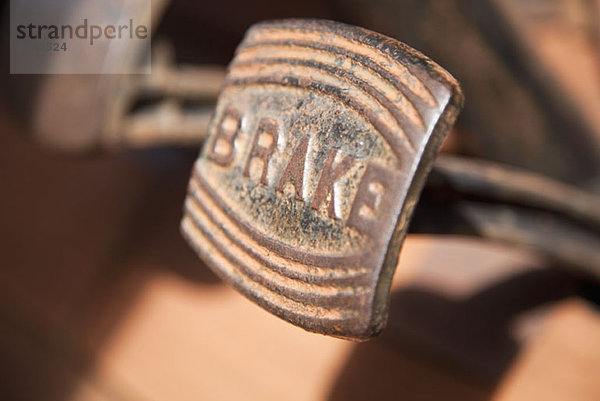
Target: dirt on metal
(321,140)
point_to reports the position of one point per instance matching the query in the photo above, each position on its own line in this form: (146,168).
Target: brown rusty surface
(320,143)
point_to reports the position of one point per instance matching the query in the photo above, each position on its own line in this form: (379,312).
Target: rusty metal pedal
(320,144)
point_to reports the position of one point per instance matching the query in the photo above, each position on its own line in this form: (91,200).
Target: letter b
(222,149)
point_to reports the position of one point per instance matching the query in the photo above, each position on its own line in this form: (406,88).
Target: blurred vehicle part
(529,70)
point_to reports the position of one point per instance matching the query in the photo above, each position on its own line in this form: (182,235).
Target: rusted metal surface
(320,144)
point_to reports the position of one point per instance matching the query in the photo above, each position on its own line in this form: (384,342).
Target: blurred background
(101,299)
